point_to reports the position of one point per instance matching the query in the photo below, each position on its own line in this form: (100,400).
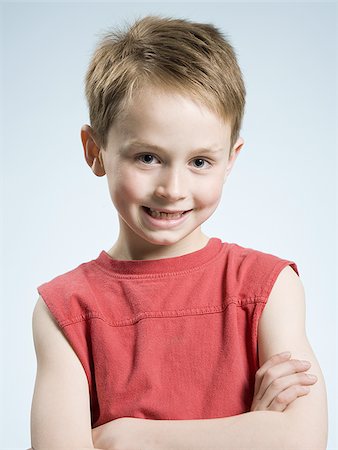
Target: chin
(163,241)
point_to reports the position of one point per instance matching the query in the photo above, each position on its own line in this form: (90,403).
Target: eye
(146,158)
(149,160)
(200,163)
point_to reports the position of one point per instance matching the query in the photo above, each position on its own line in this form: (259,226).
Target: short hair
(175,55)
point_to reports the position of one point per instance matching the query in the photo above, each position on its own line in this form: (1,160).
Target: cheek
(126,185)
(211,190)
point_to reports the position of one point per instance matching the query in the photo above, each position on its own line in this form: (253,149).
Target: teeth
(158,214)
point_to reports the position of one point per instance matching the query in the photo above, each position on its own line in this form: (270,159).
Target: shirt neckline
(160,266)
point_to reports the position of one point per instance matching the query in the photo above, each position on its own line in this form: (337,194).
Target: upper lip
(169,211)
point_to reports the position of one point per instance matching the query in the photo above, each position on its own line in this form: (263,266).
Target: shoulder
(254,258)
(253,272)
(66,296)
(70,277)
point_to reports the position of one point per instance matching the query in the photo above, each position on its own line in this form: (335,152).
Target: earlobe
(92,152)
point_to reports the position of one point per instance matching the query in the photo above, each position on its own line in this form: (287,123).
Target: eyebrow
(142,144)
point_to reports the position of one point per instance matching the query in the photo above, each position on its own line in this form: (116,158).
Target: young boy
(170,327)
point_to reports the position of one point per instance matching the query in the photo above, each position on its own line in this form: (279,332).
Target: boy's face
(184,173)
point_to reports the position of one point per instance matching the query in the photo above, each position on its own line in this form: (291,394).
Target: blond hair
(178,55)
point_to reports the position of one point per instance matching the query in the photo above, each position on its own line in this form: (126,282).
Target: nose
(171,185)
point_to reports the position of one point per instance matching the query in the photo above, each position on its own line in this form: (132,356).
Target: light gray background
(280,197)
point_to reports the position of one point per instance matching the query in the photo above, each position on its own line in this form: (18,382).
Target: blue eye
(147,158)
(202,161)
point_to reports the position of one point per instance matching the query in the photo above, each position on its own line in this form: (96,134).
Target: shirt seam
(208,309)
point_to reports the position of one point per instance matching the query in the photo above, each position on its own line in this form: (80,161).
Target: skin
(178,177)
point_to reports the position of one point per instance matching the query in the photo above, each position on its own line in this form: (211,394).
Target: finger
(281,384)
(280,370)
(281,402)
(275,359)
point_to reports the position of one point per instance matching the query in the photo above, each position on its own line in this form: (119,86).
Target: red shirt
(172,338)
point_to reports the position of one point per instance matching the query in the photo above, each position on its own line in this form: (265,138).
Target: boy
(170,327)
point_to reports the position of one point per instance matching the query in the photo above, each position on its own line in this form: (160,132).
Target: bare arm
(60,412)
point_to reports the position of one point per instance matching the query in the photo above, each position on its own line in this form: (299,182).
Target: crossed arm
(301,426)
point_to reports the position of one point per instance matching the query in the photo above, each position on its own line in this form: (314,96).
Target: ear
(92,151)
(234,152)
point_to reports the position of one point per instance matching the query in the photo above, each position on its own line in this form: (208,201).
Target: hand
(125,433)
(278,383)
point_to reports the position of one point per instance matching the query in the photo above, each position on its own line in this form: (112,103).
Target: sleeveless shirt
(172,338)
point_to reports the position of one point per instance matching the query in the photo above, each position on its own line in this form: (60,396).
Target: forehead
(157,116)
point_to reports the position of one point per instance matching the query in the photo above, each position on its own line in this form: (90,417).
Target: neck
(135,248)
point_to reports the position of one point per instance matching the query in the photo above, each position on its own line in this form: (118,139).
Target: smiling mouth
(164,215)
